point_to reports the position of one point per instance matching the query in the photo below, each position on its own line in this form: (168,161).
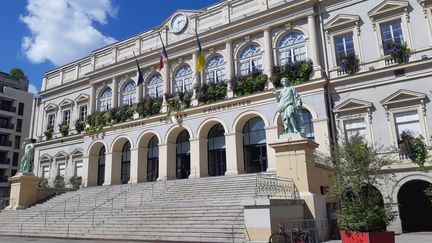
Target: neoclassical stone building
(379,97)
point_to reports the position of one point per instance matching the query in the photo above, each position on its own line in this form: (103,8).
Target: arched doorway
(153,159)
(216,151)
(415,209)
(254,146)
(101,167)
(182,155)
(125,163)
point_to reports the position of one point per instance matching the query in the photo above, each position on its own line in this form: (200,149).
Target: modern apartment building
(15,115)
(365,67)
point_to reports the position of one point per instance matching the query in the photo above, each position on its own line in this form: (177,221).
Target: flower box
(368,237)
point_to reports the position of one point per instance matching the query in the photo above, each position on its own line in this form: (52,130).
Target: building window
(292,48)
(61,170)
(391,32)
(105,100)
(15,157)
(51,121)
(183,79)
(19,125)
(83,112)
(353,127)
(215,69)
(17,142)
(250,60)
(407,121)
(344,45)
(20,109)
(78,168)
(254,146)
(45,171)
(308,125)
(66,116)
(129,93)
(154,88)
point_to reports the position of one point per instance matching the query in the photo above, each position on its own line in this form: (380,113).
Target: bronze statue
(27,149)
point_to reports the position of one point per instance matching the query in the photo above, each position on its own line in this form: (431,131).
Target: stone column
(194,101)
(115,93)
(112,168)
(271,134)
(199,165)
(138,165)
(166,161)
(229,66)
(234,153)
(268,54)
(313,46)
(166,84)
(93,99)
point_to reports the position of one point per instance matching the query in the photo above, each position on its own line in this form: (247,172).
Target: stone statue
(290,109)
(27,148)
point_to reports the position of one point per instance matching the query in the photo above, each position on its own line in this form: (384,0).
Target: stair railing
(152,183)
(99,193)
(189,172)
(233,222)
(273,186)
(129,179)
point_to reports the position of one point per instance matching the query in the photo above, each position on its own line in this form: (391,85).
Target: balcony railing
(4,161)
(390,60)
(7,125)
(9,108)
(6,143)
(275,187)
(346,71)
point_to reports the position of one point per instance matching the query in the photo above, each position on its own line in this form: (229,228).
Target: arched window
(292,48)
(182,155)
(101,167)
(250,60)
(216,151)
(254,146)
(308,124)
(153,159)
(105,100)
(125,163)
(183,79)
(154,88)
(129,93)
(215,69)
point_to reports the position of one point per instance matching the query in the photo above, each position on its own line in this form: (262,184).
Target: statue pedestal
(23,191)
(295,160)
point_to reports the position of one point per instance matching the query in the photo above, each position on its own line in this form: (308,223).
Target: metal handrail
(189,172)
(233,222)
(97,194)
(274,186)
(151,185)
(121,182)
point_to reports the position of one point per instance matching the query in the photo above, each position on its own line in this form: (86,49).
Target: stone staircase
(202,210)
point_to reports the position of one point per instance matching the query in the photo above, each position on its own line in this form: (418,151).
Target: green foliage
(413,148)
(245,85)
(428,193)
(59,182)
(296,73)
(49,133)
(398,51)
(43,183)
(64,128)
(179,102)
(211,92)
(349,63)
(80,125)
(17,73)
(75,181)
(151,106)
(357,168)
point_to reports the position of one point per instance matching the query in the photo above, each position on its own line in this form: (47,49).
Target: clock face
(178,23)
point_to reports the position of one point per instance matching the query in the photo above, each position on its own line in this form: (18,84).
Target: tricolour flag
(140,76)
(201,59)
(163,57)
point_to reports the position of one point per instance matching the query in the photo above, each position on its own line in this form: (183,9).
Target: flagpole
(169,67)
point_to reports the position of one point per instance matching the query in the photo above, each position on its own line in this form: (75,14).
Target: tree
(357,169)
(17,73)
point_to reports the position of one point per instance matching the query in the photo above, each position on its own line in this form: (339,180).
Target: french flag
(163,58)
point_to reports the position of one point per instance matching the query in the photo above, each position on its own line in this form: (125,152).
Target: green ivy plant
(211,92)
(80,125)
(75,181)
(296,73)
(413,147)
(64,128)
(49,133)
(246,85)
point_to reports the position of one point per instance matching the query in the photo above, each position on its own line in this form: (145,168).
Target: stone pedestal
(23,191)
(295,160)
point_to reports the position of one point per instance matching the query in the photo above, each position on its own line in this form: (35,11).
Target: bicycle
(286,236)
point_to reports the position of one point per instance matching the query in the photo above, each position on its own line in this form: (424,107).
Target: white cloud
(63,30)
(32,89)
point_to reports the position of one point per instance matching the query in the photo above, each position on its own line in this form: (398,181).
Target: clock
(178,23)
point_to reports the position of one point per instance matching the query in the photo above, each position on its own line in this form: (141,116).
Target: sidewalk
(419,237)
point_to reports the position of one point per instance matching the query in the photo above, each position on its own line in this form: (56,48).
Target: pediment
(51,107)
(403,95)
(340,20)
(352,104)
(82,98)
(45,158)
(61,155)
(66,102)
(77,153)
(387,6)
(425,3)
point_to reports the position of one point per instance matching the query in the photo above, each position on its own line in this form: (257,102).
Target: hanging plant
(80,125)
(49,133)
(245,85)
(151,106)
(64,128)
(211,92)
(399,52)
(349,63)
(296,73)
(176,103)
(413,147)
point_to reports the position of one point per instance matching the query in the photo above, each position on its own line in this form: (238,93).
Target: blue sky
(39,35)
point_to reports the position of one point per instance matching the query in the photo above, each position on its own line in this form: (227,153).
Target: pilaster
(313,44)
(199,165)
(115,93)
(234,153)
